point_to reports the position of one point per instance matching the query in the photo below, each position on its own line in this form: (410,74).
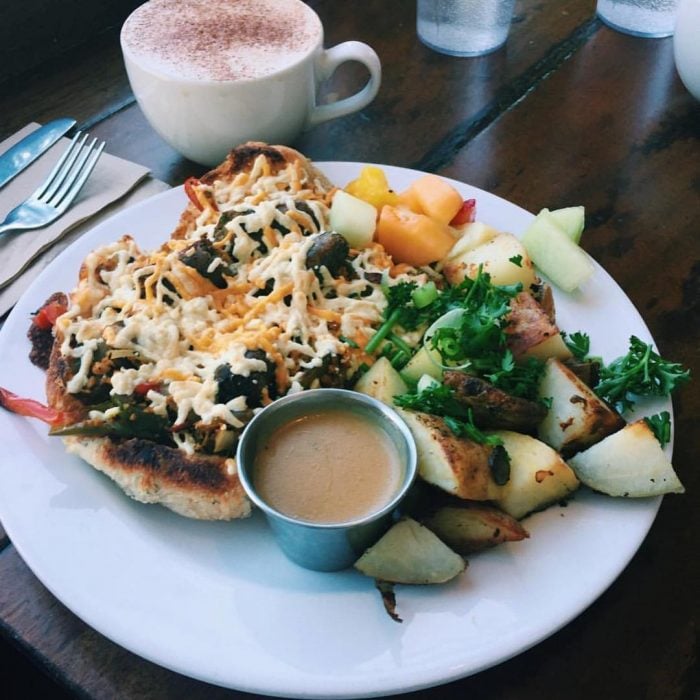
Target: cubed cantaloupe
(435,197)
(415,239)
(408,199)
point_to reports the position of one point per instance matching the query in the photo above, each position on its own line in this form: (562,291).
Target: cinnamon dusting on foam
(221,39)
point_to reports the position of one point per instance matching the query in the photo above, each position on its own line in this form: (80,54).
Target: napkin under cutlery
(114,184)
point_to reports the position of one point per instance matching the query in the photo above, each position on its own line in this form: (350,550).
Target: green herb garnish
(466,428)
(641,372)
(481,330)
(579,344)
(479,343)
(660,425)
(517,379)
(517,260)
(400,310)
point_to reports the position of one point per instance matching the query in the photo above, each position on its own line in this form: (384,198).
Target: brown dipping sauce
(330,467)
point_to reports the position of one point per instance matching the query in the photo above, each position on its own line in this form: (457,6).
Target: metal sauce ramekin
(325,546)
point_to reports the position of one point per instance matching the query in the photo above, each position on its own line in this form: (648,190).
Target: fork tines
(70,173)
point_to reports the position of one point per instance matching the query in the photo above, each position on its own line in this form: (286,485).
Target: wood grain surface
(33,33)
(567,112)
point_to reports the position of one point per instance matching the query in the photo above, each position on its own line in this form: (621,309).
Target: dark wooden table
(568,112)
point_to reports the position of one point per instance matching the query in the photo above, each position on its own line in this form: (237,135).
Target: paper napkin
(114,183)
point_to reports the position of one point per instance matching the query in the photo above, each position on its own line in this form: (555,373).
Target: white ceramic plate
(219,602)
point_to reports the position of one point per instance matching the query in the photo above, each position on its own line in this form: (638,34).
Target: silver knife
(19,156)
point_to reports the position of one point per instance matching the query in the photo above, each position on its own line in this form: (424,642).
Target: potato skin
(471,527)
(530,330)
(492,407)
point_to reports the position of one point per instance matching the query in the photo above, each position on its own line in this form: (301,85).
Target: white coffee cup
(204,97)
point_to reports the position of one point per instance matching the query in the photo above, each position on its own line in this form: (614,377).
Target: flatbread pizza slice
(163,356)
(129,439)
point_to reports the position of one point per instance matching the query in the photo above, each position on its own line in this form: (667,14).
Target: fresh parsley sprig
(641,372)
(660,425)
(481,330)
(478,344)
(579,343)
(410,306)
(516,378)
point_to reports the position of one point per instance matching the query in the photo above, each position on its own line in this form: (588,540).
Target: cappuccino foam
(221,39)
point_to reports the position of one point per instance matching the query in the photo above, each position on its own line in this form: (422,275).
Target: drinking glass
(464,27)
(645,18)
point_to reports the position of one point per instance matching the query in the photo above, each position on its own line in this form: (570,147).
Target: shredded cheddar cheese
(233,303)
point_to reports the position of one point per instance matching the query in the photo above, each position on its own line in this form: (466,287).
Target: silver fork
(57,192)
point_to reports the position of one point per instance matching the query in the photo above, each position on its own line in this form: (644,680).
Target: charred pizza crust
(241,160)
(196,486)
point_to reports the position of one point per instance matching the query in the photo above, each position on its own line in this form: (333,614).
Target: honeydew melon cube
(570,220)
(555,254)
(353,218)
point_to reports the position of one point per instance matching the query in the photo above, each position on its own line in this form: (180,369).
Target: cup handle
(326,64)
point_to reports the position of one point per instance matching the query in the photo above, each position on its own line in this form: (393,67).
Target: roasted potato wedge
(456,465)
(538,475)
(496,255)
(382,382)
(471,527)
(410,553)
(471,235)
(530,331)
(491,407)
(577,418)
(627,463)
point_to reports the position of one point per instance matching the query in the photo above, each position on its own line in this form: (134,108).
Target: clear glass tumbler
(652,19)
(464,27)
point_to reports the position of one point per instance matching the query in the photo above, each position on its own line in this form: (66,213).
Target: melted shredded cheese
(178,325)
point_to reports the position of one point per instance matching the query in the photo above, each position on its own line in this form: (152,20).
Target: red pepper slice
(190,184)
(30,408)
(47,315)
(466,213)
(143,388)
